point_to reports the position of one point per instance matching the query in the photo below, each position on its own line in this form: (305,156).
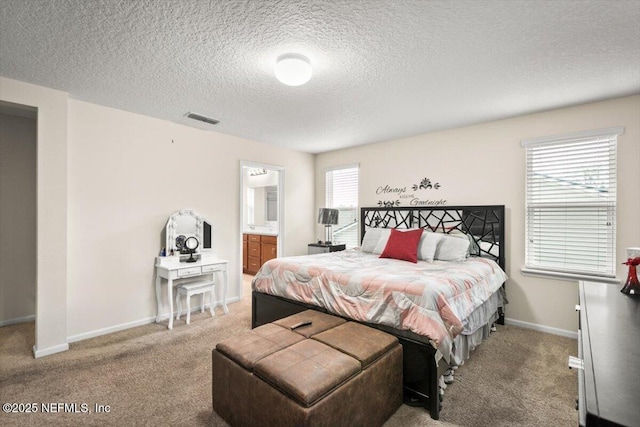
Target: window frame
(356,222)
(609,207)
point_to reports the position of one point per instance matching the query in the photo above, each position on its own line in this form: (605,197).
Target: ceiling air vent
(200,117)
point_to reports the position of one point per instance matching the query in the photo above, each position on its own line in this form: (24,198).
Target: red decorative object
(403,245)
(632,286)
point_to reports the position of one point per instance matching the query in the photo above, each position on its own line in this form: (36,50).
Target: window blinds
(341,192)
(571,203)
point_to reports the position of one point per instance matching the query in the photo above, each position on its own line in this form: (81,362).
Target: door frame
(281,205)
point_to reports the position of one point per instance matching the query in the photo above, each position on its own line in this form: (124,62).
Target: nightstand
(321,248)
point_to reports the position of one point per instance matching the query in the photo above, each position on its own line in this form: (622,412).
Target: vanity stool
(194,288)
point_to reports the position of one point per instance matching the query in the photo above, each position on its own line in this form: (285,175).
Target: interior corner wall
(127,174)
(51,273)
(17,218)
(485,164)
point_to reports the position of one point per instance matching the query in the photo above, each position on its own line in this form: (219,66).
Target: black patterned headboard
(485,224)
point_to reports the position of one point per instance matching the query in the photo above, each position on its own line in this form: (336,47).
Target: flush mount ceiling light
(293,69)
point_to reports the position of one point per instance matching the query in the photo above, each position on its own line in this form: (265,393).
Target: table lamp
(328,217)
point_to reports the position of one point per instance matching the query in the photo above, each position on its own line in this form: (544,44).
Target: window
(341,192)
(571,204)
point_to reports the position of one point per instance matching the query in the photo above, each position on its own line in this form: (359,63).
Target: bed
(439,307)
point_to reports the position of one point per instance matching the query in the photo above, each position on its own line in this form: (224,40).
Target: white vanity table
(173,270)
(190,236)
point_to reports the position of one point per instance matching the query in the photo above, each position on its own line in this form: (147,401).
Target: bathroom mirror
(260,208)
(184,225)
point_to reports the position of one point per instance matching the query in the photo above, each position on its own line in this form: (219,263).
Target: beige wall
(485,164)
(17,218)
(51,274)
(127,174)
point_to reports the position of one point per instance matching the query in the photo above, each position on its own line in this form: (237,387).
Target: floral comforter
(429,299)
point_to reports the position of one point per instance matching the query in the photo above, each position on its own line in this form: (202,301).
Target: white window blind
(341,192)
(571,203)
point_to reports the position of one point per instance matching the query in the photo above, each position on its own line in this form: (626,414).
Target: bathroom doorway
(262,214)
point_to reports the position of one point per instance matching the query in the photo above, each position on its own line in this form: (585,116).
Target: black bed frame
(420,368)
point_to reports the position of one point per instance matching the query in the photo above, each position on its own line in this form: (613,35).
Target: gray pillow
(382,241)
(428,245)
(370,239)
(452,248)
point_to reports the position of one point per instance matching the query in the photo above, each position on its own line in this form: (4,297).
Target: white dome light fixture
(293,69)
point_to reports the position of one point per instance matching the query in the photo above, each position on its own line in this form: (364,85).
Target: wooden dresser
(609,349)
(256,250)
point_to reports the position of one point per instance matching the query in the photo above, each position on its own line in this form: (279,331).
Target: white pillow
(382,241)
(473,246)
(370,239)
(452,248)
(428,245)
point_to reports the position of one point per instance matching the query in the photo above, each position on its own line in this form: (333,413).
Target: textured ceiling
(382,69)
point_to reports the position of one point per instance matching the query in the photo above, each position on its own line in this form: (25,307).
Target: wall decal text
(412,199)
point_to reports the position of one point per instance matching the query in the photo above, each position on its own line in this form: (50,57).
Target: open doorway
(262,215)
(50,254)
(18,219)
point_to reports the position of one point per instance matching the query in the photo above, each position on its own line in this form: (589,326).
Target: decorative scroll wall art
(423,193)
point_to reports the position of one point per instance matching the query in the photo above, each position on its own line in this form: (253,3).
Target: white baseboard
(17,320)
(109,330)
(541,328)
(145,321)
(51,350)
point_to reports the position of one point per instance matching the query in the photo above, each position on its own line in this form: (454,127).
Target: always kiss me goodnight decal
(414,195)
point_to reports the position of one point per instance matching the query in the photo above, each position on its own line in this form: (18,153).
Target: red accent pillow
(403,245)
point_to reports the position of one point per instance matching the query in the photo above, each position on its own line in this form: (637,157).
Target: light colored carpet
(152,376)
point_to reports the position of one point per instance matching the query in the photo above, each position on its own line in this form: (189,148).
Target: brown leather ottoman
(328,373)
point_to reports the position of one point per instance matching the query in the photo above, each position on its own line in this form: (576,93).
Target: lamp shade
(328,216)
(293,69)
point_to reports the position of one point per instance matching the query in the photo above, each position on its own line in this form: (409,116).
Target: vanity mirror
(191,244)
(186,231)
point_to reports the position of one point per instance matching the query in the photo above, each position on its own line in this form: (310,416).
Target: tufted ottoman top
(250,347)
(307,370)
(320,322)
(358,341)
